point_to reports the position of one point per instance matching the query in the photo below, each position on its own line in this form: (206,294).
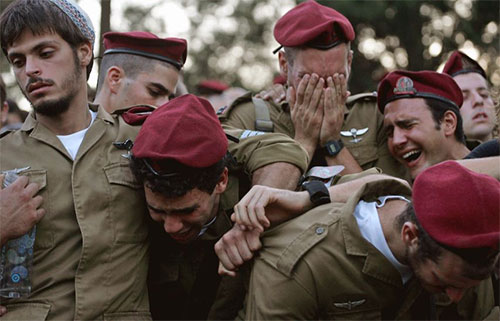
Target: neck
(102,99)
(458,151)
(387,216)
(76,118)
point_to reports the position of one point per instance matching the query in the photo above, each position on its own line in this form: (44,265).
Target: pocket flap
(121,174)
(26,311)
(38,176)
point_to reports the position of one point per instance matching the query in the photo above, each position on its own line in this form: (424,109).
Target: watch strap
(318,193)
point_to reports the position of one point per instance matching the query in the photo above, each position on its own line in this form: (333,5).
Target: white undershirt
(369,225)
(73,141)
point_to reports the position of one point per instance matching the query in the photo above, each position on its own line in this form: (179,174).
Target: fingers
(222,271)
(304,82)
(3,310)
(290,97)
(236,247)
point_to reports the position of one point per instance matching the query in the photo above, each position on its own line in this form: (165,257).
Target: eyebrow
(183,210)
(161,88)
(35,48)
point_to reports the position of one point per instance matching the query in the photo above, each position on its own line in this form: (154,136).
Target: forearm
(346,159)
(489,165)
(278,175)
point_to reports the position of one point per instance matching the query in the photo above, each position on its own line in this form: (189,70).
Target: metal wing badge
(354,133)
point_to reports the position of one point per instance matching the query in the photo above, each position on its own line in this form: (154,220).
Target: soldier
(422,118)
(478,110)
(317,61)
(378,255)
(190,191)
(138,68)
(91,249)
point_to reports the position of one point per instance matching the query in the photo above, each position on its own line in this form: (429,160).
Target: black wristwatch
(333,147)
(318,193)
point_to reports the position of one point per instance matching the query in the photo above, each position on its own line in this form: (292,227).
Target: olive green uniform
(319,266)
(369,147)
(91,251)
(183,279)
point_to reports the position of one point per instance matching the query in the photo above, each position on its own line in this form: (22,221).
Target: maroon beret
(213,85)
(280,79)
(460,63)
(312,25)
(457,207)
(186,130)
(418,84)
(171,50)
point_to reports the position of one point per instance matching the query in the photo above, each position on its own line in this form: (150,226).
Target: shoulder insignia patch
(250,133)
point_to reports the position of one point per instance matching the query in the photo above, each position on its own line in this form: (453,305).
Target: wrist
(332,148)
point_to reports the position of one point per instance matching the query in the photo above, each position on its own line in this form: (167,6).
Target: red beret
(460,63)
(458,207)
(418,84)
(185,129)
(171,50)
(213,85)
(312,25)
(280,79)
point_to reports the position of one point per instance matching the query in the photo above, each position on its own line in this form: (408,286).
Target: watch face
(332,149)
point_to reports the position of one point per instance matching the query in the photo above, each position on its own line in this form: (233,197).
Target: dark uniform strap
(263,120)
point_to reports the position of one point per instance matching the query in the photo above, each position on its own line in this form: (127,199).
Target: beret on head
(460,63)
(213,85)
(186,130)
(457,207)
(312,25)
(171,50)
(418,84)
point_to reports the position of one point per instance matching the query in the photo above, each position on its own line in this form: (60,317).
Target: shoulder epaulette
(225,110)
(351,100)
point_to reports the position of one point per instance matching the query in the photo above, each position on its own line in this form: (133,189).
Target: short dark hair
(131,64)
(438,108)
(187,179)
(38,16)
(480,261)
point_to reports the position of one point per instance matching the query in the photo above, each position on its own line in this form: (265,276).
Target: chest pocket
(125,193)
(44,235)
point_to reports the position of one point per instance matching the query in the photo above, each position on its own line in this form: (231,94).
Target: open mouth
(412,155)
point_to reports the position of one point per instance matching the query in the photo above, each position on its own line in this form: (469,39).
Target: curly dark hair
(184,180)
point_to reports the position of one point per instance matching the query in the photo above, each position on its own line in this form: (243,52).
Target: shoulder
(369,97)
(287,244)
(239,104)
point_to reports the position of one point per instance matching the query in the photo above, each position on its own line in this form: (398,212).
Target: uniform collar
(376,265)
(31,121)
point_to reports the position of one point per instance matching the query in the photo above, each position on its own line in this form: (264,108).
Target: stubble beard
(55,107)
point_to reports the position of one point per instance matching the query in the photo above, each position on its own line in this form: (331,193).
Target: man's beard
(58,106)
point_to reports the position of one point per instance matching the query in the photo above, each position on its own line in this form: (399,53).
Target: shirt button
(320,230)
